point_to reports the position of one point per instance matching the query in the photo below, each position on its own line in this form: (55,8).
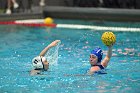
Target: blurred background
(29,6)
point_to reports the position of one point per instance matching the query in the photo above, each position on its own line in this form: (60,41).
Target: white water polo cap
(37,62)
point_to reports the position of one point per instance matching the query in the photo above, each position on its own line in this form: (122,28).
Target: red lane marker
(27,24)
(7,23)
(37,24)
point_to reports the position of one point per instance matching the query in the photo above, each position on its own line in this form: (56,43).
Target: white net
(52,54)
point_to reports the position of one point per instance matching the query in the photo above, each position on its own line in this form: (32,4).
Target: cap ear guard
(37,62)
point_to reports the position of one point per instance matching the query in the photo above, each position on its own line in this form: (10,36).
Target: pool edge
(61,12)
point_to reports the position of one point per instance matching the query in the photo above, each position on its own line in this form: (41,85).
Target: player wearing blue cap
(96,61)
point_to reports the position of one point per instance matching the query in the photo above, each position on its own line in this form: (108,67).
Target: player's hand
(54,43)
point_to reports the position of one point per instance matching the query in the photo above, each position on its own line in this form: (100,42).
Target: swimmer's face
(46,64)
(93,59)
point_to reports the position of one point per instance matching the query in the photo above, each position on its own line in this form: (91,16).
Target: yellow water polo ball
(108,38)
(48,20)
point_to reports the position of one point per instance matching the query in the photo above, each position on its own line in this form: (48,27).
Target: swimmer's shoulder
(98,67)
(95,68)
(35,72)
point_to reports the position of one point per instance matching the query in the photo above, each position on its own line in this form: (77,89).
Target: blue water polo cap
(97,52)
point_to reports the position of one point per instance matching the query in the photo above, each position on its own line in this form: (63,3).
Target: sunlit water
(18,45)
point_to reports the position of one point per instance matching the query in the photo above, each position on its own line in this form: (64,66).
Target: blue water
(18,45)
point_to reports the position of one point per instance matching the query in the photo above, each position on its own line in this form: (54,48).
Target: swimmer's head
(98,53)
(38,62)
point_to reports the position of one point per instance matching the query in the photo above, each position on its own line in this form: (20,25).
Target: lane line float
(40,23)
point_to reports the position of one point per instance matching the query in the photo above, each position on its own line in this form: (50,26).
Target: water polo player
(40,63)
(96,62)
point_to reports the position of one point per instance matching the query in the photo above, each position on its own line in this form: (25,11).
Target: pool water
(19,44)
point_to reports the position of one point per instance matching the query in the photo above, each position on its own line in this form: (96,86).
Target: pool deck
(101,14)
(20,16)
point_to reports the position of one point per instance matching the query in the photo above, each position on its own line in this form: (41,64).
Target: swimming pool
(19,44)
